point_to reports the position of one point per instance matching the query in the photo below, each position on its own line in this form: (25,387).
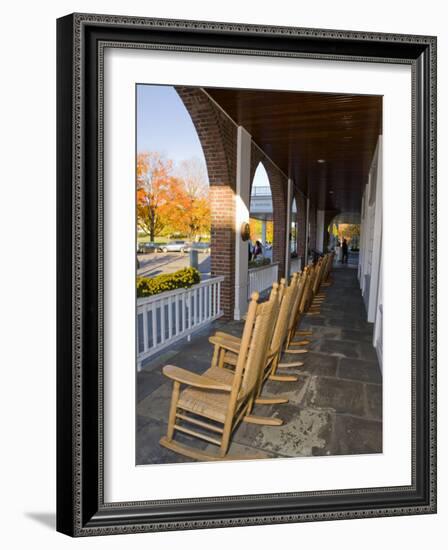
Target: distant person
(344,251)
(250,251)
(258,249)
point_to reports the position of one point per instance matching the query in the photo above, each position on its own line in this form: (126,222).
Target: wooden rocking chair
(326,280)
(315,298)
(321,276)
(227,346)
(298,311)
(216,402)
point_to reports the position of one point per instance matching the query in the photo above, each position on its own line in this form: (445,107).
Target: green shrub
(183,278)
(259,263)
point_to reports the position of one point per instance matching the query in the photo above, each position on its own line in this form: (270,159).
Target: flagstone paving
(334,408)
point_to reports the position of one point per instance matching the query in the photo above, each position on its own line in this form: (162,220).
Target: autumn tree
(158,194)
(196,215)
(171,201)
(256,230)
(348,231)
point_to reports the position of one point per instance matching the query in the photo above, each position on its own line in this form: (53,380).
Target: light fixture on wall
(245,231)
(321,161)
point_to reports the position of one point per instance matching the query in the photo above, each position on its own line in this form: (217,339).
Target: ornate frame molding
(81,42)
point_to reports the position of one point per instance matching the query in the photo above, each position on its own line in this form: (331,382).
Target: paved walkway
(169,262)
(334,408)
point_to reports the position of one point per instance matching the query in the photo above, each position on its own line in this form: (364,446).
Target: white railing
(264,191)
(261,278)
(167,317)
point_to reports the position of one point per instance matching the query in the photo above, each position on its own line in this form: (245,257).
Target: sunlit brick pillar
(279,189)
(218,137)
(222,202)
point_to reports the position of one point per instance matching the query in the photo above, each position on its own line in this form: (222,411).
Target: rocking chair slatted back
(318,274)
(249,370)
(328,267)
(306,283)
(302,287)
(307,292)
(288,296)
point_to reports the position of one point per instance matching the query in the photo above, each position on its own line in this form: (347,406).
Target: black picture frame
(81,510)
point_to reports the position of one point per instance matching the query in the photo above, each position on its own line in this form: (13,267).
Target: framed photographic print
(246,274)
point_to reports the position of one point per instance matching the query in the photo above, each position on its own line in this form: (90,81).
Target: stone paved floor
(334,408)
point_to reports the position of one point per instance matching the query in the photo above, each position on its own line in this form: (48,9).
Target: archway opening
(261,218)
(293,230)
(344,236)
(173,203)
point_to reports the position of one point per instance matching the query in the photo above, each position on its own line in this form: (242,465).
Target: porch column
(320,230)
(377,235)
(242,207)
(288,229)
(307,231)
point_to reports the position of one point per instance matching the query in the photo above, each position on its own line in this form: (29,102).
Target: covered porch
(323,159)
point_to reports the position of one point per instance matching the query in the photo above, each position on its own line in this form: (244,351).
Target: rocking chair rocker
(216,402)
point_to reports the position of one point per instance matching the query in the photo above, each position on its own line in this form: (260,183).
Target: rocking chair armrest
(227,336)
(191,379)
(228,345)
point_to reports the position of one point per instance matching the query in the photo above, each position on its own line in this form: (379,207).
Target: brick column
(279,189)
(222,205)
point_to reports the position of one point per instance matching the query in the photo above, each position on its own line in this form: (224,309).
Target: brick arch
(278,184)
(216,135)
(218,138)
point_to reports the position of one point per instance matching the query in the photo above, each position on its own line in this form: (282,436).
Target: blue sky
(164,125)
(260,177)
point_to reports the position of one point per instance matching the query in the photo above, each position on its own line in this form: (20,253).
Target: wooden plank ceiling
(324,142)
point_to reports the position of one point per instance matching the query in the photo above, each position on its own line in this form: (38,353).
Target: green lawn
(142,238)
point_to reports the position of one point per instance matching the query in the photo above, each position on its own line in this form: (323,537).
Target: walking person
(258,250)
(344,251)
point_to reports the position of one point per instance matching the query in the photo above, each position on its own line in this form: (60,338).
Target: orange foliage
(166,202)
(155,192)
(256,233)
